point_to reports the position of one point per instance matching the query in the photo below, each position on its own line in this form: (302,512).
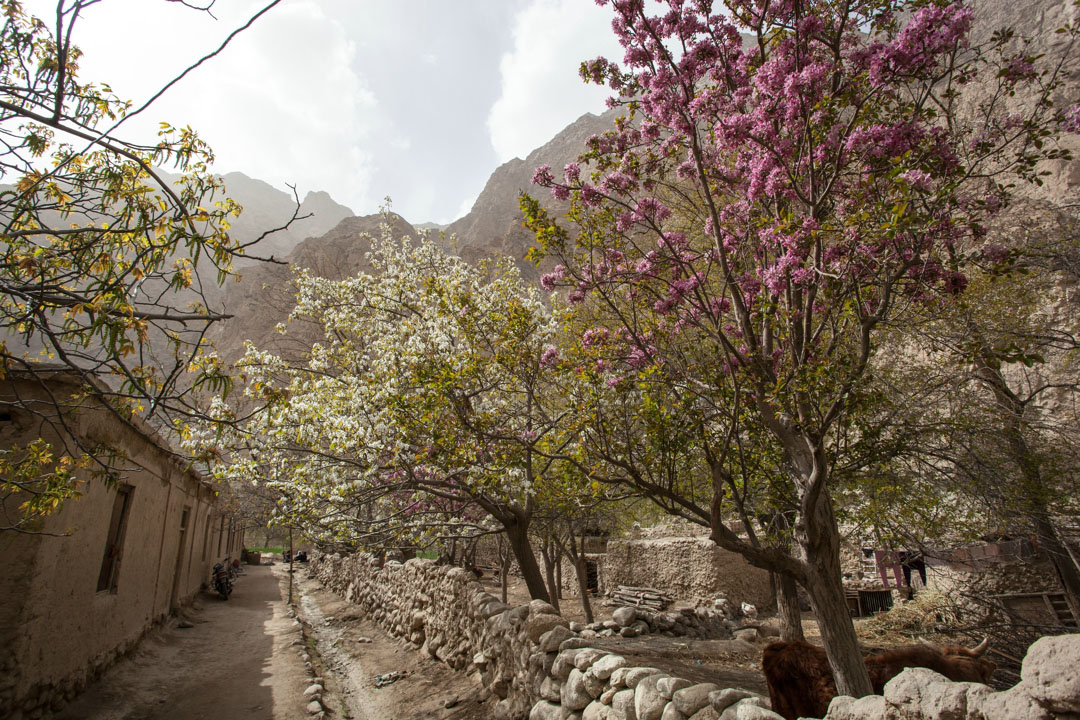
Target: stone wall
(541,669)
(591,684)
(1049,689)
(444,613)
(688,568)
(570,588)
(972,590)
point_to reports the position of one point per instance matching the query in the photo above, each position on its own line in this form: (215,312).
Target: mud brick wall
(688,568)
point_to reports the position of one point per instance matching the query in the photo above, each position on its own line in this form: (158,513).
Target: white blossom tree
(428,408)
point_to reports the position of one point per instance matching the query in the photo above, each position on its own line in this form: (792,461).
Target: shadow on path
(233,663)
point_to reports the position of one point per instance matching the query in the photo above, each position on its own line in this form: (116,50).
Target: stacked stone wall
(570,586)
(541,669)
(979,584)
(591,684)
(446,614)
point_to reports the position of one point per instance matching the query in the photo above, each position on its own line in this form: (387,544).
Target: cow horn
(923,641)
(981,648)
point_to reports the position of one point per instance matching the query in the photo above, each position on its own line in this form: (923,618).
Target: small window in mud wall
(114,542)
(9,424)
(206,537)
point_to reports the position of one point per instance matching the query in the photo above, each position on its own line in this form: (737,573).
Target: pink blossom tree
(789,178)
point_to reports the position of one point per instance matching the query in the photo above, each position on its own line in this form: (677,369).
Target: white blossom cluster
(423,406)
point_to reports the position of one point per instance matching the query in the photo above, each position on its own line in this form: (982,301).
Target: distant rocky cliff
(267,208)
(335,240)
(264,295)
(494,226)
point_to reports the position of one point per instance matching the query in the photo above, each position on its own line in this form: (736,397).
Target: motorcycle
(222,581)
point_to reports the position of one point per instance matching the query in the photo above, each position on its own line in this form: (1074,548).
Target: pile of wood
(642,597)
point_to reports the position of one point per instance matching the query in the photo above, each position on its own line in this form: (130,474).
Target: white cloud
(541,90)
(299,112)
(279,102)
(362,98)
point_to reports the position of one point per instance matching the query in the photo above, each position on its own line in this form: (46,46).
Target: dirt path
(238,660)
(250,659)
(352,652)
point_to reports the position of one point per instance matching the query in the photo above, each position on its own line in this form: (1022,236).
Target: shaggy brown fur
(799,679)
(801,683)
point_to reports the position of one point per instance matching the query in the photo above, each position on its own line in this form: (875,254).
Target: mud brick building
(86,585)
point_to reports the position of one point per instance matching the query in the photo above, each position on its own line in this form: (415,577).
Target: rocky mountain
(262,297)
(266,208)
(494,226)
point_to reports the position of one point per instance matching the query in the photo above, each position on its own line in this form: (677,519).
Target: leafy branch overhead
(104,257)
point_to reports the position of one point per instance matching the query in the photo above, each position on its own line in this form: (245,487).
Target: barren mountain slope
(493,228)
(264,296)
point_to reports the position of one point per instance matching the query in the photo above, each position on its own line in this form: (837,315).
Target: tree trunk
(818,541)
(1034,490)
(504,566)
(838,636)
(548,552)
(1035,497)
(787,607)
(581,570)
(785,586)
(518,536)
(468,555)
(1062,561)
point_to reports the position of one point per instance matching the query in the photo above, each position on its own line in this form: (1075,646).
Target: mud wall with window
(92,579)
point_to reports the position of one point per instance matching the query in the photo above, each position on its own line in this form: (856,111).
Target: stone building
(689,568)
(86,585)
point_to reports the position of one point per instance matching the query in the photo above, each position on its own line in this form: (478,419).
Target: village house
(90,581)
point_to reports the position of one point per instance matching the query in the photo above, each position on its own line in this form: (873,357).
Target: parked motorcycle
(222,581)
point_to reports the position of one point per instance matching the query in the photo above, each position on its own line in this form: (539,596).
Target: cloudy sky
(418,100)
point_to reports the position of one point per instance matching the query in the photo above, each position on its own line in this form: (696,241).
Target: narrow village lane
(237,660)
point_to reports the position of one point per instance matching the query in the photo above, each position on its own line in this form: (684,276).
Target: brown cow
(801,683)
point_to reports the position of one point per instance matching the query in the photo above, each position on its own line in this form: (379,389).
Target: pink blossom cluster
(812,175)
(550,357)
(930,33)
(1017,68)
(594,336)
(1071,121)
(549,281)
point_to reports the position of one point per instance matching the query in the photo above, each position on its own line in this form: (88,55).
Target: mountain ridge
(493,228)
